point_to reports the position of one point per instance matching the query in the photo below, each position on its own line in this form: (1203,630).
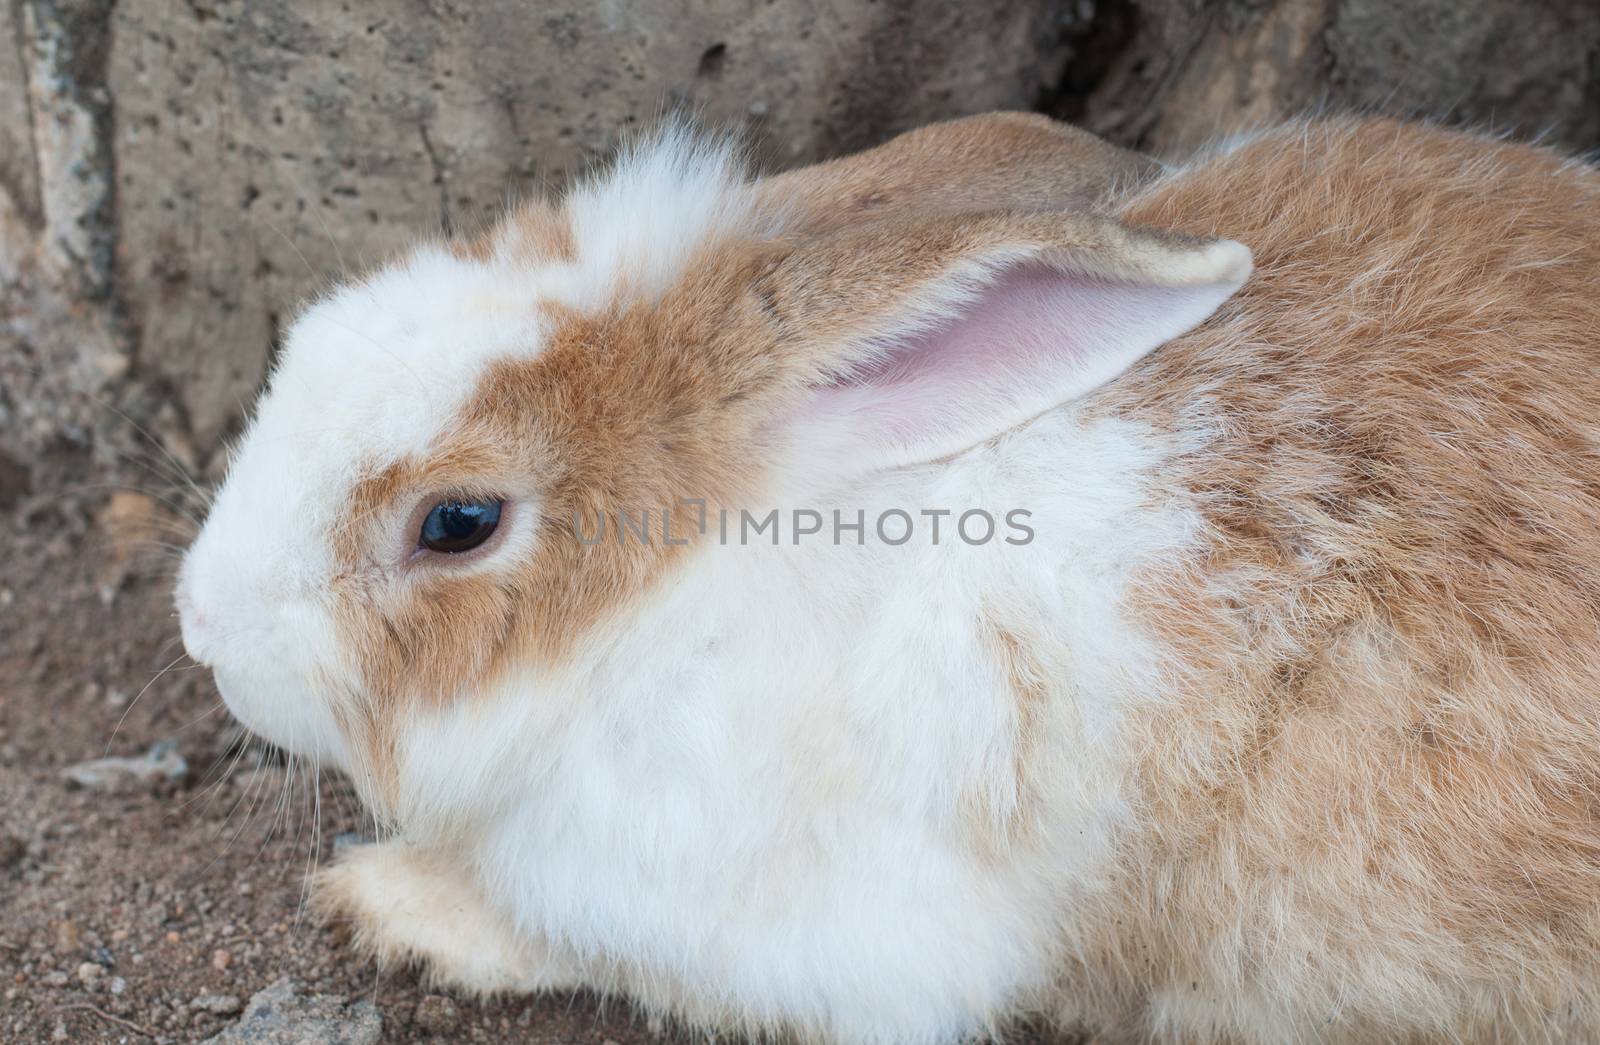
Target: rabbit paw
(404,904)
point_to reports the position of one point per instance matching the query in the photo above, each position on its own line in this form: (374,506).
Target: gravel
(436,1014)
(12,850)
(217,1004)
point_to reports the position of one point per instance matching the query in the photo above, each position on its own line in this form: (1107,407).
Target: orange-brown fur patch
(1009,160)
(1372,794)
(539,230)
(631,411)
(535,231)
(995,826)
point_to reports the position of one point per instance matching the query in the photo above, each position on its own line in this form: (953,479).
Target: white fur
(752,800)
(369,375)
(747,798)
(374,373)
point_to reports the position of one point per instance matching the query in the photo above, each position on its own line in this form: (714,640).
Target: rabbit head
(401,527)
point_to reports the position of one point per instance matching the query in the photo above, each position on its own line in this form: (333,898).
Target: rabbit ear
(1019,161)
(920,338)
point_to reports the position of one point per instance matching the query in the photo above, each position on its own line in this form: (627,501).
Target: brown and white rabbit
(1185,653)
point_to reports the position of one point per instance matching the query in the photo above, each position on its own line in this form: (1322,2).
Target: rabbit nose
(194,625)
(196,619)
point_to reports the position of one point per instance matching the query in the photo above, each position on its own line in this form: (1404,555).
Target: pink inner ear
(987,350)
(1010,317)
(1029,332)
(1032,339)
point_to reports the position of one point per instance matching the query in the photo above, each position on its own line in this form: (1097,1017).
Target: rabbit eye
(459,526)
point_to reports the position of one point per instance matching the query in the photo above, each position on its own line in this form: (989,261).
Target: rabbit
(991,577)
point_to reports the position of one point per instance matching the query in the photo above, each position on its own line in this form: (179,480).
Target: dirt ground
(154,913)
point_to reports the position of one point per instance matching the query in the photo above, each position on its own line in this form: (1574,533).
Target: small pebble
(348,840)
(89,973)
(68,937)
(161,763)
(55,979)
(118,985)
(217,1004)
(221,959)
(436,1013)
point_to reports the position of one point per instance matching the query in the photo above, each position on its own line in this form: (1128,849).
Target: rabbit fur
(1269,712)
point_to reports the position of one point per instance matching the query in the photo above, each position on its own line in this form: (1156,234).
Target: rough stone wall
(175,175)
(1167,74)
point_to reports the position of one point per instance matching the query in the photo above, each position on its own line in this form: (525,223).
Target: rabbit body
(1283,723)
